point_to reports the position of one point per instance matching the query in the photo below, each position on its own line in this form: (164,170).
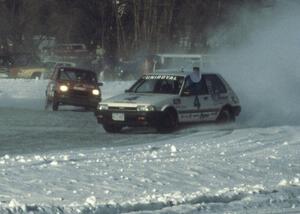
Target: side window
(195,88)
(215,85)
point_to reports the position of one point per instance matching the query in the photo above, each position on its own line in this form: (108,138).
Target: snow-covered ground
(64,162)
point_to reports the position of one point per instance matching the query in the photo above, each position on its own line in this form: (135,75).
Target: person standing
(193,80)
(100,51)
(196,74)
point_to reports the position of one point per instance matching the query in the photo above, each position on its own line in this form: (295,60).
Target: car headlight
(102,106)
(145,108)
(95,92)
(63,88)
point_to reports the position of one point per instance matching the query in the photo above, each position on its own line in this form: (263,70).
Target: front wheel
(168,123)
(111,128)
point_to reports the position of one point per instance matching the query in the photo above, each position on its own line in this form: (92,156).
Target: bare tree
(122,27)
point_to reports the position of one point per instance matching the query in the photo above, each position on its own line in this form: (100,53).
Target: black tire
(225,116)
(111,128)
(168,123)
(55,104)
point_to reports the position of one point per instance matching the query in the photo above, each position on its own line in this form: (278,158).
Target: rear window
(77,75)
(215,84)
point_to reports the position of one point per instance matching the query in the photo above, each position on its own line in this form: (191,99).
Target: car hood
(78,84)
(134,99)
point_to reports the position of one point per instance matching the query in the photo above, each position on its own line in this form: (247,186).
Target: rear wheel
(112,128)
(225,116)
(168,122)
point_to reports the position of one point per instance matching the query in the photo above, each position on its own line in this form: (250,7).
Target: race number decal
(197,102)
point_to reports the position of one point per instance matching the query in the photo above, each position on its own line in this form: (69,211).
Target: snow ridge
(254,196)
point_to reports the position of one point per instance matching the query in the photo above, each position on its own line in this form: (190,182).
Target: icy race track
(64,162)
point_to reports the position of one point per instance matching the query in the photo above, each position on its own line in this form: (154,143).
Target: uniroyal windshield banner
(162,77)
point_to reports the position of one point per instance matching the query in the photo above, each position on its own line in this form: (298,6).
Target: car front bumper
(129,118)
(84,101)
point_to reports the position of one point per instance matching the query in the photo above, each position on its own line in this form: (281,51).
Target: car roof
(172,72)
(74,69)
(186,56)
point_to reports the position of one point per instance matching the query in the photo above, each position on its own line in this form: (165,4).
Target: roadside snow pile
(22,88)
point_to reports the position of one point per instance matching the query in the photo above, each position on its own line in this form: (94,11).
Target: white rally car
(164,100)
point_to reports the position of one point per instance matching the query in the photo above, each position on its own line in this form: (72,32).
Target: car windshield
(77,75)
(160,84)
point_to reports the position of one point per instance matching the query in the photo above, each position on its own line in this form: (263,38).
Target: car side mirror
(100,83)
(186,93)
(127,90)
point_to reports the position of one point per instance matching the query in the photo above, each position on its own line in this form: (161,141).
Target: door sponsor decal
(197,102)
(197,115)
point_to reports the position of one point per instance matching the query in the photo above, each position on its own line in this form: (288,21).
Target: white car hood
(134,99)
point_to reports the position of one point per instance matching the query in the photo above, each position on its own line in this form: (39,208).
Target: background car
(70,50)
(52,64)
(73,86)
(27,66)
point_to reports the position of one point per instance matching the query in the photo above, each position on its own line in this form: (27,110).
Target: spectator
(196,74)
(100,51)
(193,84)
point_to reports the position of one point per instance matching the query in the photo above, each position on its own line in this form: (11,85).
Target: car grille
(122,108)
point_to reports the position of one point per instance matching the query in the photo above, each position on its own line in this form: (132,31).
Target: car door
(218,91)
(196,102)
